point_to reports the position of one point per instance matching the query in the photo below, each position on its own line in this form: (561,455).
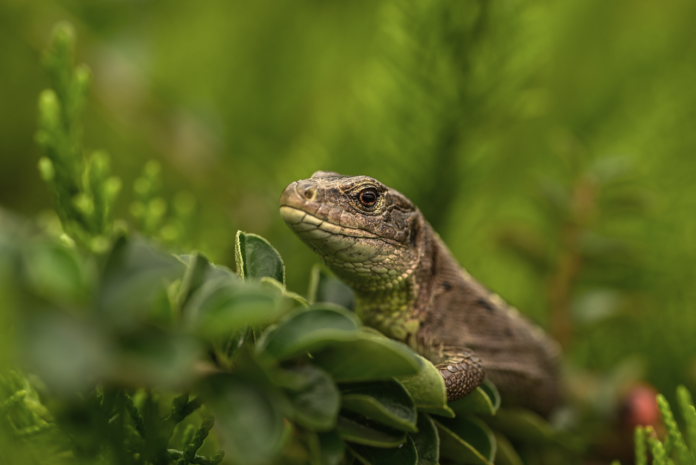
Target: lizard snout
(307,190)
(297,194)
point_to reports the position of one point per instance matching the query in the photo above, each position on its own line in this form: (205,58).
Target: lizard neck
(399,311)
(390,311)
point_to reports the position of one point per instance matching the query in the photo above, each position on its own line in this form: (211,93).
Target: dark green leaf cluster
(288,379)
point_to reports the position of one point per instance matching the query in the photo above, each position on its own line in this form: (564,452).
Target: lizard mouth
(310,226)
(335,243)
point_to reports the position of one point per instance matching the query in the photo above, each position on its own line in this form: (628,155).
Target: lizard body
(408,285)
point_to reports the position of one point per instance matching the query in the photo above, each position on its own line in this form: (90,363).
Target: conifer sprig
(674,445)
(82,188)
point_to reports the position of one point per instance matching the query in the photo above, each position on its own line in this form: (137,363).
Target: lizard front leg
(463,372)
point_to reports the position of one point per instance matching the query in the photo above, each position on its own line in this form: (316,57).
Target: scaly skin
(408,285)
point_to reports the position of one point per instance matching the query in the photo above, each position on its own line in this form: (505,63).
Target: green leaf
(294,299)
(427,441)
(250,425)
(478,401)
(325,287)
(370,357)
(56,272)
(506,453)
(153,357)
(384,401)
(134,275)
(466,439)
(492,392)
(523,425)
(331,446)
(313,395)
(310,330)
(362,430)
(404,454)
(427,389)
(197,266)
(256,258)
(66,352)
(218,308)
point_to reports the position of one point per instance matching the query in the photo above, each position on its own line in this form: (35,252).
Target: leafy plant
(133,355)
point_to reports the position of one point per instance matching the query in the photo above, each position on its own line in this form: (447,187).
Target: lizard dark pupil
(368,197)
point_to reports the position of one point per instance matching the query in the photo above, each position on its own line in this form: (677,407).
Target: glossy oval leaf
(361,430)
(478,401)
(384,401)
(427,389)
(427,441)
(370,357)
(325,287)
(403,454)
(310,330)
(314,397)
(466,439)
(249,423)
(255,258)
(229,307)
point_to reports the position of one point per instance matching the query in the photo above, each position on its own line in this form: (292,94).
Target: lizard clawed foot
(463,372)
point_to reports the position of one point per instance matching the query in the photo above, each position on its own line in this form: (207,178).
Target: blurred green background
(551,144)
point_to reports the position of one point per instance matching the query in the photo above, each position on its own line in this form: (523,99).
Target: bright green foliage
(170,222)
(674,437)
(686,406)
(149,209)
(256,258)
(116,352)
(641,452)
(82,188)
(673,450)
(131,326)
(549,143)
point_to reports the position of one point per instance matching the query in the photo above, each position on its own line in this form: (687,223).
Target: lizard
(409,286)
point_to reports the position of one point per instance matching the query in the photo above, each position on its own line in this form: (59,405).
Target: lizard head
(366,232)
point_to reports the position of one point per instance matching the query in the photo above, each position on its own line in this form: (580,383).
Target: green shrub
(119,352)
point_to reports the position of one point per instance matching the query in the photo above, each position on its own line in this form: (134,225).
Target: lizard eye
(368,197)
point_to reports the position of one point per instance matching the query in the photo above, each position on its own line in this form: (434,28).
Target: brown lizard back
(518,357)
